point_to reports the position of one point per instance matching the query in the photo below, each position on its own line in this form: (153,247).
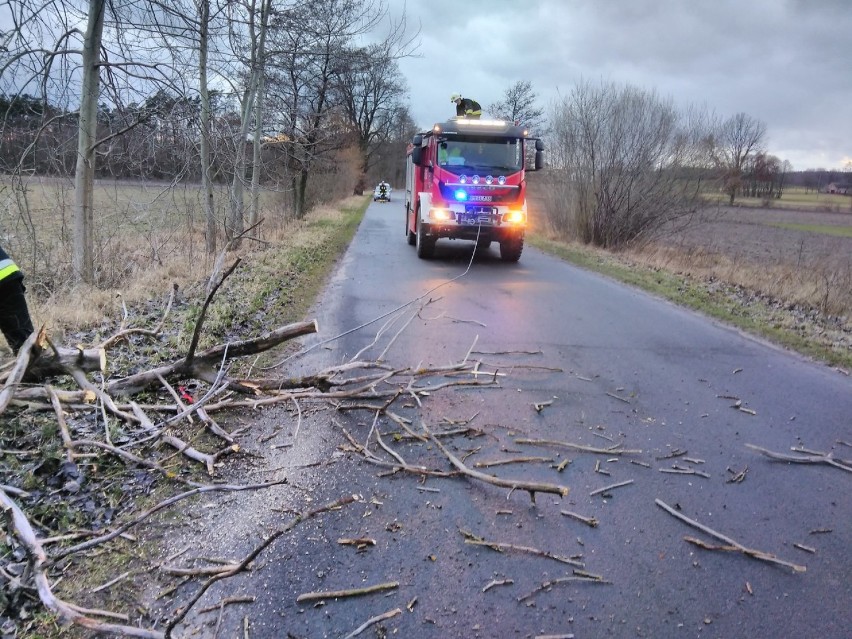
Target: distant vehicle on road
(382,192)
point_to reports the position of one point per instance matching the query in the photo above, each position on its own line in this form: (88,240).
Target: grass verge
(276,283)
(722,302)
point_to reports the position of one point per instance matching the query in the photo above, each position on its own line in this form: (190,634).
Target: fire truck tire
(425,245)
(483,243)
(510,249)
(412,238)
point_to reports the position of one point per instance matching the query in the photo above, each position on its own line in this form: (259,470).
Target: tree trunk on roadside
(236,224)
(254,211)
(300,185)
(206,177)
(84,177)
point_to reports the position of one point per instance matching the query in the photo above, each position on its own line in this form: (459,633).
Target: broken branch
(817,458)
(373,620)
(470,538)
(353,592)
(586,449)
(731,545)
(515,484)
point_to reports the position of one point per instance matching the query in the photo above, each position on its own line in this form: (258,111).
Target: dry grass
(815,283)
(796,257)
(149,238)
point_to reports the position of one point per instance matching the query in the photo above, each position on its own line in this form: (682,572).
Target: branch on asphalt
(470,538)
(514,484)
(730,544)
(181,613)
(805,456)
(614,450)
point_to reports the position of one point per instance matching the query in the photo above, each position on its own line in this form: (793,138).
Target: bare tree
(257,21)
(203,9)
(81,70)
(733,143)
(371,89)
(84,177)
(626,163)
(519,104)
(308,52)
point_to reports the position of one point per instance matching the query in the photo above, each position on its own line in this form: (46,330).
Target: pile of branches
(143,415)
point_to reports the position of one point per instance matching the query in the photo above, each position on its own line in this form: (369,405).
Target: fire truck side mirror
(539,155)
(417,151)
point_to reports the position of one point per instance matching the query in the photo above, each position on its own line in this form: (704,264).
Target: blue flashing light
(461,195)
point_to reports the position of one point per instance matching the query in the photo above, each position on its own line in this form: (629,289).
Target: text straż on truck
(465,180)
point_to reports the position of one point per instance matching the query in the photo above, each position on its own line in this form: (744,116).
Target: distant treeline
(155,140)
(818,179)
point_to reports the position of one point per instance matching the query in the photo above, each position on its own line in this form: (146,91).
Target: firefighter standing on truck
(15,319)
(465,107)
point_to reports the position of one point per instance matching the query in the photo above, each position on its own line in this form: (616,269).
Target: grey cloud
(782,61)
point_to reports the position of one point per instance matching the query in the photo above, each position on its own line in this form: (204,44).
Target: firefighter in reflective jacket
(465,107)
(15,319)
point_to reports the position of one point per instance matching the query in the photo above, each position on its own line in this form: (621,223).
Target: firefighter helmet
(455,97)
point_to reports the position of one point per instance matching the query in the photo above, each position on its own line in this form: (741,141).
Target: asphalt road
(620,367)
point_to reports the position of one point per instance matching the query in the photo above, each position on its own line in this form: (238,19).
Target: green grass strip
(824,229)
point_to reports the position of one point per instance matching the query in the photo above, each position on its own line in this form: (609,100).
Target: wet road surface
(620,368)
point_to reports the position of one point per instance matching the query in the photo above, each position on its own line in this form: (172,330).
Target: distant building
(839,188)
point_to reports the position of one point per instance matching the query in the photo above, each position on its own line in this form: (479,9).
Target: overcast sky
(787,63)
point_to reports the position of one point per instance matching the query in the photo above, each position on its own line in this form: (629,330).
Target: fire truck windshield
(481,154)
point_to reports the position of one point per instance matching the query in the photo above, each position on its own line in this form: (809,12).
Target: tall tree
(91,76)
(84,177)
(371,89)
(257,23)
(519,104)
(733,143)
(310,45)
(204,18)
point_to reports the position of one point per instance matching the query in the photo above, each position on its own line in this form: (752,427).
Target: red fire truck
(465,180)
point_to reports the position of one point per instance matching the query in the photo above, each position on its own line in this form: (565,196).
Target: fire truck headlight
(501,179)
(461,195)
(441,215)
(514,217)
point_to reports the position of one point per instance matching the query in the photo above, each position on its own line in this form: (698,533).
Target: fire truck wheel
(510,249)
(412,238)
(425,245)
(483,243)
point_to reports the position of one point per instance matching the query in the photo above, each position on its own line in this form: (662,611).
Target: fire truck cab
(465,180)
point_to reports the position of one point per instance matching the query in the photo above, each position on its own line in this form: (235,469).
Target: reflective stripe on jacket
(8,268)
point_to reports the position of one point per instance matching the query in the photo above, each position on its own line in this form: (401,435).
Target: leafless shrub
(627,162)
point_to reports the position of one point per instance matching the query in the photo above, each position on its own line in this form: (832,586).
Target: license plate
(476,218)
(481,198)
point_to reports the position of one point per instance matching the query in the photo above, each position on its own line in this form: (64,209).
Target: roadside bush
(625,163)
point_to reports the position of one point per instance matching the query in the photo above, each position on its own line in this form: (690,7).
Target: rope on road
(305,351)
